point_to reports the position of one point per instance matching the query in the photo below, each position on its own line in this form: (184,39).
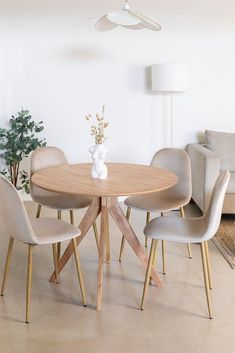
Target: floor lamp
(169,78)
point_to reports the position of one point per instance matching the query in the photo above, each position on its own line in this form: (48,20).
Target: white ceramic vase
(98,154)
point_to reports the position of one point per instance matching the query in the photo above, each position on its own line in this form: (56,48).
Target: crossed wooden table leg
(106,206)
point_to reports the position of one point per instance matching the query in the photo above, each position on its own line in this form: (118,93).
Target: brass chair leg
(79,271)
(38,211)
(205,273)
(95,230)
(188,245)
(148,273)
(29,282)
(71,217)
(147,221)
(163,253)
(189,251)
(163,257)
(59,216)
(208,264)
(54,249)
(128,213)
(154,259)
(7,265)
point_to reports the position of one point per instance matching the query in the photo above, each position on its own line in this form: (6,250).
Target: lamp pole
(171,118)
(169,78)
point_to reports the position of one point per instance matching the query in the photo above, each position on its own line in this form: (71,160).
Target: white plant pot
(98,154)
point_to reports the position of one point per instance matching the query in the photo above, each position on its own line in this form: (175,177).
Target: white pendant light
(126,18)
(103,24)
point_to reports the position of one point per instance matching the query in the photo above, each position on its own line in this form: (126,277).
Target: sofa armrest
(205,170)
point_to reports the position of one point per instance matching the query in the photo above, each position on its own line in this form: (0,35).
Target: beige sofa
(207,160)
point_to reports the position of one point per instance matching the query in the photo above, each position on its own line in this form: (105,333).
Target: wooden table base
(106,206)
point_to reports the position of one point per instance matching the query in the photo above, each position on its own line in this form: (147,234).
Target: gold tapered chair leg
(148,273)
(163,257)
(189,251)
(71,217)
(29,281)
(95,230)
(128,213)
(154,259)
(205,273)
(208,264)
(7,265)
(79,271)
(54,249)
(163,253)
(59,216)
(147,221)
(188,245)
(38,211)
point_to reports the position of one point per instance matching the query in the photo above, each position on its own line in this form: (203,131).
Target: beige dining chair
(176,197)
(190,230)
(49,156)
(37,232)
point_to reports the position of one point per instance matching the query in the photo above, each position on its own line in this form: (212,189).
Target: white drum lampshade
(169,77)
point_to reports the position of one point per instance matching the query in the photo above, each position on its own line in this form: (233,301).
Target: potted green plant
(16,143)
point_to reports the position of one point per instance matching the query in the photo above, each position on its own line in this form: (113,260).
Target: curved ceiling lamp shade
(128,19)
(135,27)
(123,18)
(103,24)
(147,21)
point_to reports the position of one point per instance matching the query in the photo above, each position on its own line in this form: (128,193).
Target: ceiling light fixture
(126,18)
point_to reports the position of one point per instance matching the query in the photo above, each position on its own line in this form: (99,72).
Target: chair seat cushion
(52,230)
(161,201)
(182,230)
(59,201)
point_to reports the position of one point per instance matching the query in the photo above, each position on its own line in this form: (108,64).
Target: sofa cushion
(223,144)
(231,184)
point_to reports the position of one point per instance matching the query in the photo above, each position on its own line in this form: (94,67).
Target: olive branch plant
(98,126)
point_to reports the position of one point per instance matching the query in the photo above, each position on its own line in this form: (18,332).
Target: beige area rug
(225,239)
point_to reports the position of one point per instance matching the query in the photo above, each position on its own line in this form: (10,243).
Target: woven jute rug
(225,239)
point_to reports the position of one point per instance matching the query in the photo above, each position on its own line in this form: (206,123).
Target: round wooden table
(123,180)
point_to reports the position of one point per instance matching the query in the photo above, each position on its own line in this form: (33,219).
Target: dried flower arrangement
(97,128)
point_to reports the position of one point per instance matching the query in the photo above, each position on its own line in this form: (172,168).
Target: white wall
(57,66)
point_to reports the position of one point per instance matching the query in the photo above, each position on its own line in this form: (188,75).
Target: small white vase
(98,154)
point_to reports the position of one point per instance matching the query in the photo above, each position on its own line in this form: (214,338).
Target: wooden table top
(123,179)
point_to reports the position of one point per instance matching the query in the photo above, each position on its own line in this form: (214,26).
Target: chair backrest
(44,157)
(214,211)
(13,214)
(178,161)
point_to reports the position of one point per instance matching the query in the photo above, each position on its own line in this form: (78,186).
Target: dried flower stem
(97,128)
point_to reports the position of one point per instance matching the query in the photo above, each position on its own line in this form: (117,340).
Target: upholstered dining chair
(37,232)
(176,160)
(49,156)
(190,230)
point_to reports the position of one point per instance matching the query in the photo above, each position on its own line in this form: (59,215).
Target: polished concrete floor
(174,320)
